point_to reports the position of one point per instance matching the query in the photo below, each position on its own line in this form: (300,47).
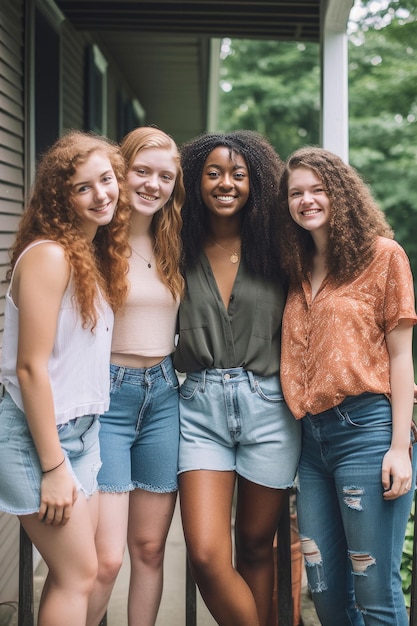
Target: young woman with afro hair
(236,431)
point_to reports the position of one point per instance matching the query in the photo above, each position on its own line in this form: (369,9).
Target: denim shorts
(140,431)
(234,420)
(20,470)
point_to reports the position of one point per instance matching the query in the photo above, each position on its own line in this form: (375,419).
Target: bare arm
(396,466)
(40,281)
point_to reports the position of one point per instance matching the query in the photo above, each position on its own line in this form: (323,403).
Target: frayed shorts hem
(20,469)
(118,489)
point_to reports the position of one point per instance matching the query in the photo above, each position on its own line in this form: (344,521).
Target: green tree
(383,114)
(272,87)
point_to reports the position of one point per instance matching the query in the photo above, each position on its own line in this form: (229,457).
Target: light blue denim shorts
(20,470)
(234,420)
(139,434)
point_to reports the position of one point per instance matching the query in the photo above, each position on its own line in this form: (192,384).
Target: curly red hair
(101,264)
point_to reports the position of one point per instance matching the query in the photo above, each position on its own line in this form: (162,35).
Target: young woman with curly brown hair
(68,275)
(347,375)
(236,429)
(140,432)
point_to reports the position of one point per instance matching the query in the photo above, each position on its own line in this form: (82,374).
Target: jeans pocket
(189,389)
(268,389)
(374,415)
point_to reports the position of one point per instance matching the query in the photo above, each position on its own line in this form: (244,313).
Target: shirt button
(227,376)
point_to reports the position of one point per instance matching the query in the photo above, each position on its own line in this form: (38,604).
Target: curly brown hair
(259,216)
(355,223)
(49,214)
(166,223)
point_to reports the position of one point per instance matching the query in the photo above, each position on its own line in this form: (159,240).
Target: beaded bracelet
(54,468)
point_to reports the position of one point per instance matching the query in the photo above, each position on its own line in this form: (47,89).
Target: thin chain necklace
(148,263)
(233,256)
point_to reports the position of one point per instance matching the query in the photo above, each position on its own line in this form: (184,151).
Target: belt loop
(203,381)
(251,379)
(164,370)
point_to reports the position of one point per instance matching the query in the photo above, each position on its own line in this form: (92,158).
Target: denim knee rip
(312,559)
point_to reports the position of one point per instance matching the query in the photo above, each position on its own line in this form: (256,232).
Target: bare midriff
(135,360)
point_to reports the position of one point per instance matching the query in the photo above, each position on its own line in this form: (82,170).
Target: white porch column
(334,78)
(213,85)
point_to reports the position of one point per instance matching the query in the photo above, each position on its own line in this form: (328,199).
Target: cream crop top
(146,325)
(79,362)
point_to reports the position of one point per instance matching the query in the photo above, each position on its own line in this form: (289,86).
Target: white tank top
(79,362)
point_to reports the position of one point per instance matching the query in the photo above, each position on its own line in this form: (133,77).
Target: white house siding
(11,206)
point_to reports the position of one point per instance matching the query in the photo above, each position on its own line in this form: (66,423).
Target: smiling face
(95,192)
(308,201)
(151,179)
(224,182)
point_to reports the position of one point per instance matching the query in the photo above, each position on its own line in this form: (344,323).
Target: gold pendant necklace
(148,263)
(234,255)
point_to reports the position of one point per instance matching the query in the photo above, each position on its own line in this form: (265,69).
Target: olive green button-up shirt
(247,334)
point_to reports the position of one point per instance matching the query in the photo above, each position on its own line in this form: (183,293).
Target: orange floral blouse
(334,346)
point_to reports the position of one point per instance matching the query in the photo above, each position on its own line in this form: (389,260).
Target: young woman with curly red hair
(67,277)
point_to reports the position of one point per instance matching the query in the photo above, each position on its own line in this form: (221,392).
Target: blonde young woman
(68,274)
(139,434)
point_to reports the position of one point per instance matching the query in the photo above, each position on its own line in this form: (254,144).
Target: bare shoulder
(43,267)
(43,256)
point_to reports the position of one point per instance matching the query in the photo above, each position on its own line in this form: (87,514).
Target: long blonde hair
(49,214)
(166,223)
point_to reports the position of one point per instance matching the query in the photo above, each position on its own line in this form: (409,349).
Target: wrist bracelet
(54,468)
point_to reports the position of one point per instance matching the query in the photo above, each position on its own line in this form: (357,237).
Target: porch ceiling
(162,48)
(276,19)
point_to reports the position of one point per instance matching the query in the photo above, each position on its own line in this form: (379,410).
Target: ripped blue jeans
(352,539)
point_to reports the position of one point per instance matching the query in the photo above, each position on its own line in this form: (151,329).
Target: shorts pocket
(189,389)
(13,424)
(6,421)
(269,389)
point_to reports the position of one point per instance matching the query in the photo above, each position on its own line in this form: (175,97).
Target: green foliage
(269,96)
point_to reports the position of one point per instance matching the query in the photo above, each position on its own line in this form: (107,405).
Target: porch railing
(285,604)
